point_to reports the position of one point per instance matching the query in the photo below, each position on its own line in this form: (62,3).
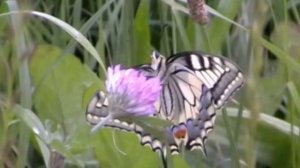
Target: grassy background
(47,78)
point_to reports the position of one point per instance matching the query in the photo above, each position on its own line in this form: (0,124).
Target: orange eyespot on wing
(180,133)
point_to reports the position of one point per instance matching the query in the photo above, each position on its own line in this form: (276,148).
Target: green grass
(49,71)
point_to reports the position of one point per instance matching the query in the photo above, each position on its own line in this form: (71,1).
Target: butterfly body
(194,86)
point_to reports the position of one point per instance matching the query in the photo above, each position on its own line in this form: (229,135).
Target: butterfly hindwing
(97,110)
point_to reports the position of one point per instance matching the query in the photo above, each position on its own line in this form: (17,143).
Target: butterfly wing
(219,74)
(194,85)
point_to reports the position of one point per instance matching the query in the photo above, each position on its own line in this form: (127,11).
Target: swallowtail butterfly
(195,85)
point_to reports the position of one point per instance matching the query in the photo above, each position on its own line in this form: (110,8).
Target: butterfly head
(97,108)
(157,60)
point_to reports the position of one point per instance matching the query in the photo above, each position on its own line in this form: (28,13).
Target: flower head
(131,93)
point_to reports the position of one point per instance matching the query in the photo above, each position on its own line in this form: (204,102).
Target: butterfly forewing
(219,74)
(178,100)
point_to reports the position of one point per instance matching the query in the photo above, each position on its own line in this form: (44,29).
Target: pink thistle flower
(130,93)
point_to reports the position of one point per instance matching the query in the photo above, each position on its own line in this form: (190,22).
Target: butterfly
(194,86)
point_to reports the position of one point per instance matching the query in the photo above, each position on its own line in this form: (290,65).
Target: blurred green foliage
(47,79)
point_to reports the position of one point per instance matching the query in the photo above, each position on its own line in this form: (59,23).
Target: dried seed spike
(198,11)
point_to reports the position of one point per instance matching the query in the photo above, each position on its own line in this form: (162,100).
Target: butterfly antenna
(115,144)
(235,101)
(101,124)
